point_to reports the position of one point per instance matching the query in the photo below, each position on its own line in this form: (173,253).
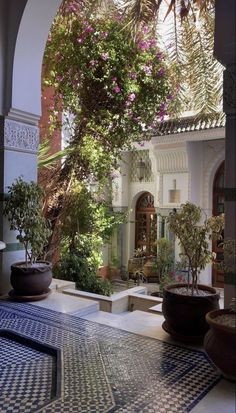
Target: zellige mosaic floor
(103,369)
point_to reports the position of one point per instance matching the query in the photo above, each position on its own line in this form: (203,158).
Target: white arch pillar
(24,28)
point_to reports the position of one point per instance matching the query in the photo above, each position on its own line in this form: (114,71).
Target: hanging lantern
(141,169)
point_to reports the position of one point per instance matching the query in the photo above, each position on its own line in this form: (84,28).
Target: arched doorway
(218,208)
(146,225)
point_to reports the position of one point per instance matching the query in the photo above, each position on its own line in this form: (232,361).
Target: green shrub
(80,265)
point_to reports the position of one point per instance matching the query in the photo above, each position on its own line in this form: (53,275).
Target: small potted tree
(185,305)
(31,278)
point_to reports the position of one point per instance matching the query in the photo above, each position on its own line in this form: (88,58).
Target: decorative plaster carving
(201,135)
(211,162)
(229,93)
(211,152)
(172,161)
(20,136)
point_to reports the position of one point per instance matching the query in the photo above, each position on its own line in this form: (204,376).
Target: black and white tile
(104,369)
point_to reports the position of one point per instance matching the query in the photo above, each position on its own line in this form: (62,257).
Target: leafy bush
(80,265)
(165,257)
(23,208)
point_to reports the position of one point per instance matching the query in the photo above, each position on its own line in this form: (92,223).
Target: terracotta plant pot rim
(203,287)
(210,318)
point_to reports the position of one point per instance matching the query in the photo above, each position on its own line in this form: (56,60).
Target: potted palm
(186,304)
(30,278)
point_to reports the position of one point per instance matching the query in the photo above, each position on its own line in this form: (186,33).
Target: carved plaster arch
(25,64)
(208,180)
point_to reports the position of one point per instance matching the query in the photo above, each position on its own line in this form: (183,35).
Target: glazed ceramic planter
(31,280)
(220,343)
(185,314)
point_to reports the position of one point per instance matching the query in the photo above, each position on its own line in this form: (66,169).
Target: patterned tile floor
(105,369)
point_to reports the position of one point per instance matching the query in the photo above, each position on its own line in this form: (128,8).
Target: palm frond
(47,160)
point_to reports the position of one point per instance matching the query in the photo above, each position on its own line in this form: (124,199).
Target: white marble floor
(221,399)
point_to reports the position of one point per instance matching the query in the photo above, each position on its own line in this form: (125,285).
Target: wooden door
(146,225)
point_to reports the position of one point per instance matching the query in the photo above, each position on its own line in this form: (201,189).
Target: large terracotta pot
(185,314)
(220,344)
(31,280)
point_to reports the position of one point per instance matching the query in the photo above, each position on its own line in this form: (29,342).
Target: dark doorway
(218,208)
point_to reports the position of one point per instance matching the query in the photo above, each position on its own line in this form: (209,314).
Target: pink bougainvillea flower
(133,76)
(161,71)
(104,35)
(89,29)
(132,97)
(105,56)
(127,103)
(159,56)
(117,89)
(145,29)
(147,70)
(80,40)
(114,79)
(143,44)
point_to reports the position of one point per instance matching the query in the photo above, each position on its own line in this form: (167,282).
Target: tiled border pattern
(110,370)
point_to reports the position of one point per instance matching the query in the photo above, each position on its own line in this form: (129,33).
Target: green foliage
(165,257)
(82,214)
(80,265)
(194,237)
(23,208)
(166,279)
(116,89)
(47,159)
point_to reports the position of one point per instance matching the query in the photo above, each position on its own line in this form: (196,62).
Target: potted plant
(220,340)
(23,208)
(186,304)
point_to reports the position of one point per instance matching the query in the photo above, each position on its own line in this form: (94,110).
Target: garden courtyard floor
(111,362)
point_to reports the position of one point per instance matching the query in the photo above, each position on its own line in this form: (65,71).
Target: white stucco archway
(25,83)
(24,28)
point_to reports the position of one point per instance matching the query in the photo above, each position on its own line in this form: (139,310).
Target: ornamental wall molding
(208,177)
(202,135)
(20,136)
(172,161)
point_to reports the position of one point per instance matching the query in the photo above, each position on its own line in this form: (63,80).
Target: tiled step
(139,322)
(68,304)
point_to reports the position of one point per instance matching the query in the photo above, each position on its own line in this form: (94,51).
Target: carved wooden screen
(218,208)
(146,224)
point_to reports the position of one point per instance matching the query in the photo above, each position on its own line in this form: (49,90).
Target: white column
(18,155)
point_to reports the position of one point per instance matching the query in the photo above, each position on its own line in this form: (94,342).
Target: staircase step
(68,304)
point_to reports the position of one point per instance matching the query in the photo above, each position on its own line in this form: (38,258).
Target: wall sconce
(141,169)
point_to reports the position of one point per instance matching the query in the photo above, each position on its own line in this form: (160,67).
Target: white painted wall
(181,184)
